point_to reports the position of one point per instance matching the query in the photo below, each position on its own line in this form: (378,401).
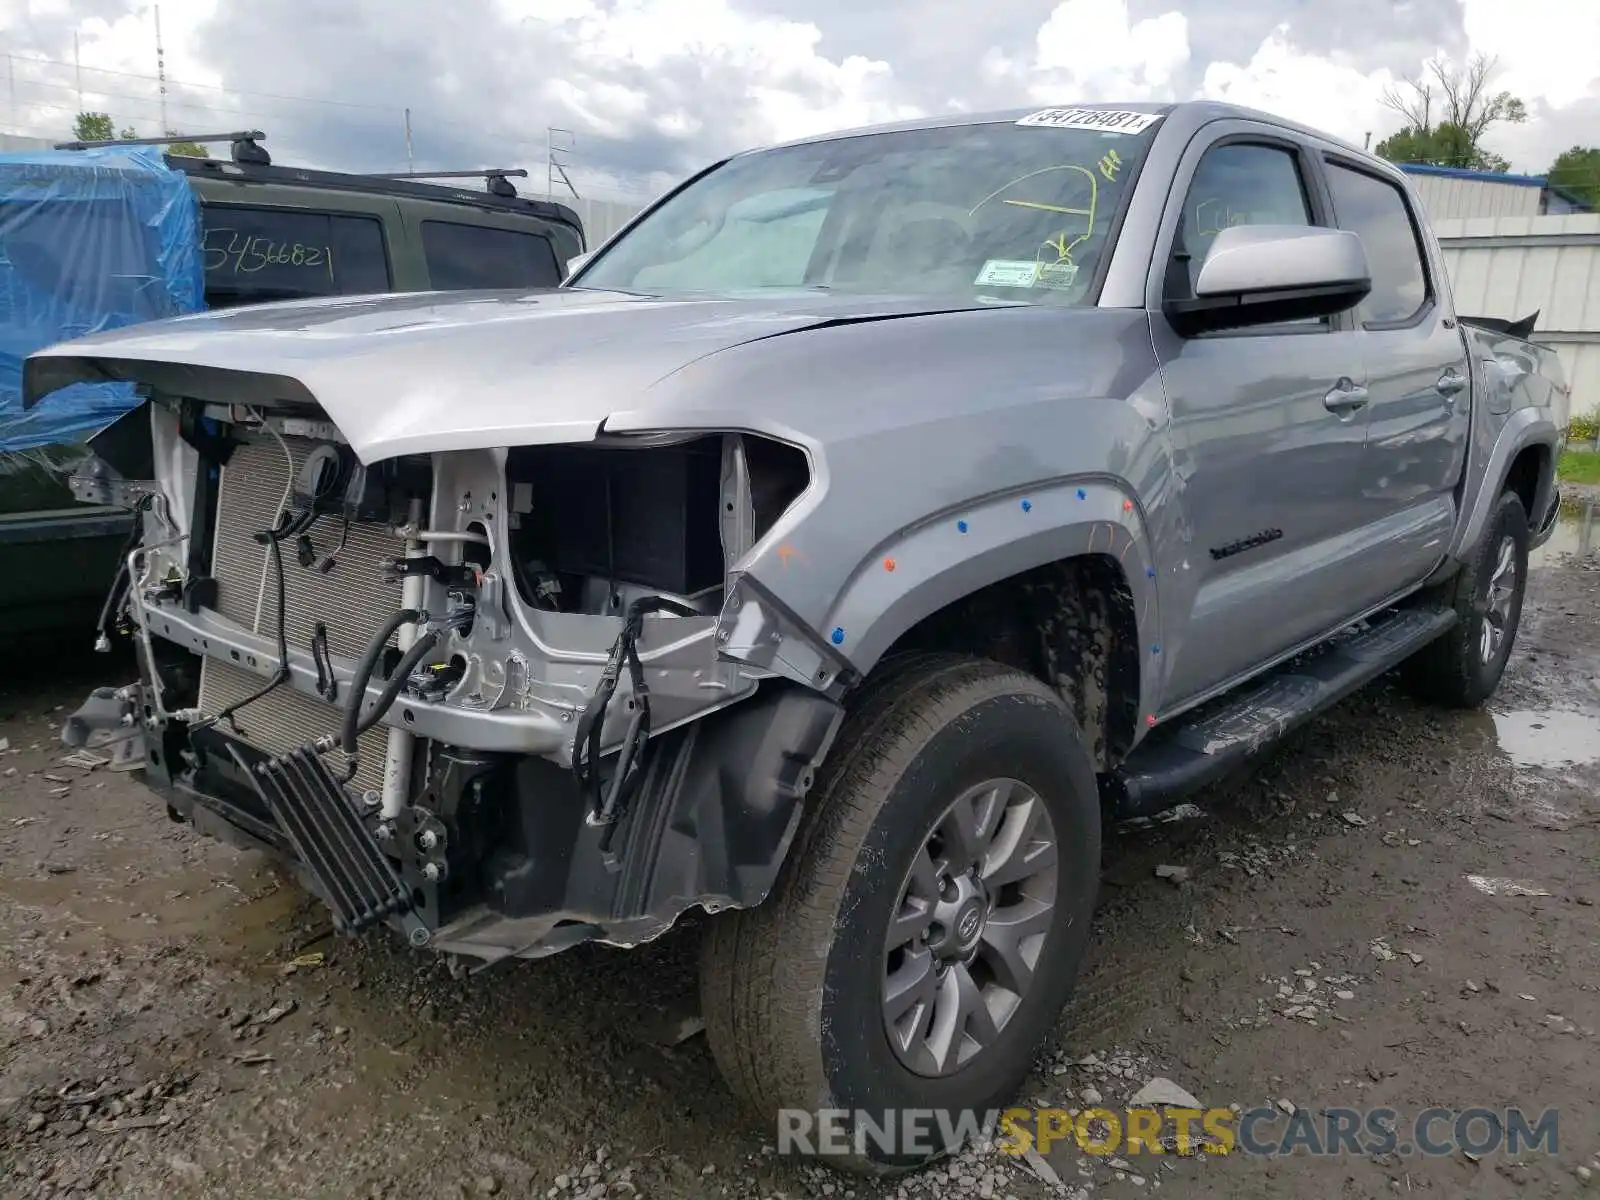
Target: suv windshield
(1016,211)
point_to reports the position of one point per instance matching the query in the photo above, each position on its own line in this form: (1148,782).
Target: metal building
(1452,194)
(1514,245)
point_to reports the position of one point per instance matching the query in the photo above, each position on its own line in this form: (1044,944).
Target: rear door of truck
(1418,376)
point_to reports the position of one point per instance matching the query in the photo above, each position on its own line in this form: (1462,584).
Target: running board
(312,808)
(1202,746)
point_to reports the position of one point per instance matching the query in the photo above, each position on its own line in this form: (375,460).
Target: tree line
(1449,107)
(99,127)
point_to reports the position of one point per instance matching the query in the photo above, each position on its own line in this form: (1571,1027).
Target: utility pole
(553,165)
(411,163)
(161,74)
(1367,145)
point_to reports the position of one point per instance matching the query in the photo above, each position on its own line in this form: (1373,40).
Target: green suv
(267,233)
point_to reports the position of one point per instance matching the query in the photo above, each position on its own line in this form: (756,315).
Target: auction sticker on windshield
(1008,272)
(1104,119)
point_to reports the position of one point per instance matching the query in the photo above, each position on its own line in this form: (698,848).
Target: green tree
(1445,145)
(1447,110)
(186,149)
(1577,172)
(93,127)
(98,127)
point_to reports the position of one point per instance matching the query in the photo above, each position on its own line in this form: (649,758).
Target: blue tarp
(89,240)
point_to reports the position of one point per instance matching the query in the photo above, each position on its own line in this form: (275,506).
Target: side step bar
(355,878)
(1202,746)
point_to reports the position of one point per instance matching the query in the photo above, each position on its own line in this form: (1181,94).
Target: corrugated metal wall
(10,142)
(601,218)
(1512,266)
(1448,199)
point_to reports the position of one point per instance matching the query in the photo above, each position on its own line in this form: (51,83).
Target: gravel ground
(176,1020)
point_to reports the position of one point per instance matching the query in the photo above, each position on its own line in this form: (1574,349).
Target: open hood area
(436,371)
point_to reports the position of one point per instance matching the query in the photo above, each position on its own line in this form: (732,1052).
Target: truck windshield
(1013,211)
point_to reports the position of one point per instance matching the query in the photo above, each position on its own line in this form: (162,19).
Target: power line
(396,112)
(206,87)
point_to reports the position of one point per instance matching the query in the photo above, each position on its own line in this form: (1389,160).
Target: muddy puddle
(1550,738)
(1577,534)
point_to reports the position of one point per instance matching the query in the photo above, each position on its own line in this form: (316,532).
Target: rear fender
(1523,428)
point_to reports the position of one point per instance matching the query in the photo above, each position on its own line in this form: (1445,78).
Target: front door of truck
(1418,388)
(1268,433)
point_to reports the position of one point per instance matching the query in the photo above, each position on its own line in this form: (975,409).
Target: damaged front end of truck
(500,698)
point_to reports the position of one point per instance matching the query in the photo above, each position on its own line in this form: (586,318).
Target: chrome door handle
(1345,397)
(1451,382)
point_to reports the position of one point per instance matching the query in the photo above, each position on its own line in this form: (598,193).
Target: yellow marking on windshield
(1059,242)
(1075,212)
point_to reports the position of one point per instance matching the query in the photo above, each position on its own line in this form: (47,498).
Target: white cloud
(1088,50)
(1548,49)
(656,87)
(785,89)
(1282,79)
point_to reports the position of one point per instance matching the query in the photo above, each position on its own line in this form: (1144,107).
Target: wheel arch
(1019,564)
(1523,456)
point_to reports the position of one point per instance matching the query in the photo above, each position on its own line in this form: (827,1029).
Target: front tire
(929,921)
(1462,668)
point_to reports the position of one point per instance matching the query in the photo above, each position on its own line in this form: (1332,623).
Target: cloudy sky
(654,88)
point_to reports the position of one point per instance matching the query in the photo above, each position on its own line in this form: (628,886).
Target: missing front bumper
(517,872)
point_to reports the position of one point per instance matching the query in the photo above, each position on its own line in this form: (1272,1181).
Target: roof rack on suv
(497,178)
(245,144)
(251,161)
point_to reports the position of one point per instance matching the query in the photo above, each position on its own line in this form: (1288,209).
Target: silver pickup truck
(835,552)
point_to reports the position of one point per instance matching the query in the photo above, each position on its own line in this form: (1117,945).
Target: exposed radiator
(352,600)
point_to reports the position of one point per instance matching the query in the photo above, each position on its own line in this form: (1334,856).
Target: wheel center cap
(969,924)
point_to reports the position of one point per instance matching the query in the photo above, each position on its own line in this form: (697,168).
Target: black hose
(591,722)
(408,662)
(351,729)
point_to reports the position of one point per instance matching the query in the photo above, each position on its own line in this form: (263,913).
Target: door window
(257,254)
(461,257)
(1237,183)
(1376,210)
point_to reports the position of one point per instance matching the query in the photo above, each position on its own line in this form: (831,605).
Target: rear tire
(950,851)
(1462,668)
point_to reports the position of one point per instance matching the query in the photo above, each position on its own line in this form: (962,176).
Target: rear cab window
(254,254)
(1376,209)
(462,256)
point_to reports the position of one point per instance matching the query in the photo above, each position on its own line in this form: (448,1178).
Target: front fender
(954,553)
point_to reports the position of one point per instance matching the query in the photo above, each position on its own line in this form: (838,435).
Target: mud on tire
(1462,668)
(800,993)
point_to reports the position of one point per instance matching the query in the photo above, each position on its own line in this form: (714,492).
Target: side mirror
(576,261)
(1269,274)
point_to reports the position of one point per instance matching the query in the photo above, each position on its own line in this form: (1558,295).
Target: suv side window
(1376,210)
(257,254)
(1236,183)
(461,257)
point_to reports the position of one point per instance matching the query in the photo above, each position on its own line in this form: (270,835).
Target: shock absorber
(397,757)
